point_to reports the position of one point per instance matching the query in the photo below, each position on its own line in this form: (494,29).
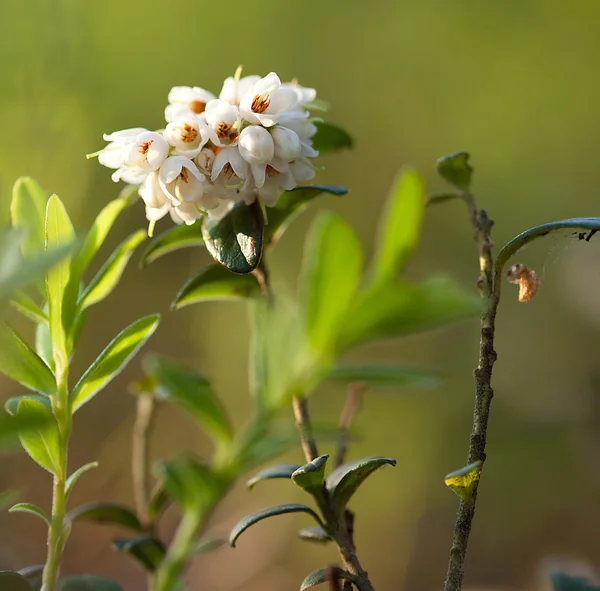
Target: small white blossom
(230,162)
(180,180)
(304,95)
(223,122)
(265,100)
(302,170)
(112,155)
(139,158)
(187,134)
(186,100)
(187,213)
(258,149)
(157,203)
(233,88)
(287,143)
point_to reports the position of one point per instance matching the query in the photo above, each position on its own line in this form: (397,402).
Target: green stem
(59,529)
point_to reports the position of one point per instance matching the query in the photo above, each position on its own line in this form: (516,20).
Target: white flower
(265,100)
(287,143)
(187,134)
(278,178)
(180,180)
(304,95)
(230,162)
(233,88)
(258,149)
(186,213)
(186,100)
(204,161)
(305,130)
(112,155)
(223,121)
(144,154)
(302,170)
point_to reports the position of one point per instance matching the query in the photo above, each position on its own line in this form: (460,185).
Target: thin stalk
(59,529)
(353,400)
(140,465)
(484,393)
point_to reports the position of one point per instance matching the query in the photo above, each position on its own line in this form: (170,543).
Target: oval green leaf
(250,520)
(28,212)
(290,204)
(11,581)
(148,552)
(310,476)
(314,534)
(456,170)
(21,363)
(107,278)
(26,306)
(330,138)
(32,510)
(324,575)
(105,512)
(158,502)
(113,359)
(216,283)
(343,482)
(88,583)
(11,427)
(384,375)
(70,483)
(281,471)
(173,239)
(236,240)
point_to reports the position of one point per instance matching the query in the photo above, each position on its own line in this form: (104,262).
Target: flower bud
(287,143)
(256,145)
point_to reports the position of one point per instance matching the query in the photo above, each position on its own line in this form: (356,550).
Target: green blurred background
(515,83)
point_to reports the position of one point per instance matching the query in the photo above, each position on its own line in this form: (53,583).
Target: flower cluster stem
(484,393)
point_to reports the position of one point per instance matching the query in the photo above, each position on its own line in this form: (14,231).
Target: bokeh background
(516,83)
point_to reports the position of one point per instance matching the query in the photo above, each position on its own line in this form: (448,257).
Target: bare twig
(307,437)
(484,393)
(353,400)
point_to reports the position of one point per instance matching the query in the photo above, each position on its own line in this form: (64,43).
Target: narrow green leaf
(11,581)
(70,483)
(193,393)
(324,575)
(330,138)
(28,212)
(456,170)
(59,233)
(250,520)
(216,283)
(109,275)
(42,443)
(464,481)
(159,500)
(32,510)
(26,306)
(290,204)
(280,471)
(310,476)
(148,552)
(236,240)
(314,534)
(21,363)
(173,239)
(88,583)
(400,226)
(106,512)
(113,360)
(331,271)
(209,545)
(12,404)
(384,375)
(343,482)
(398,309)
(43,345)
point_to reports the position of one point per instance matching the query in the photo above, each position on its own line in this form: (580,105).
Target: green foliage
(88,583)
(324,575)
(254,518)
(11,581)
(28,213)
(113,359)
(279,471)
(330,138)
(72,480)
(147,551)
(456,169)
(192,393)
(236,240)
(383,375)
(32,510)
(173,239)
(26,306)
(310,476)
(105,512)
(343,482)
(216,283)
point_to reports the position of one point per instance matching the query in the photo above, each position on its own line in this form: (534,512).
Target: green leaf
(147,551)
(21,363)
(173,239)
(236,240)
(106,512)
(26,306)
(324,575)
(88,583)
(59,233)
(331,271)
(192,485)
(343,481)
(158,502)
(455,169)
(12,404)
(564,582)
(314,534)
(28,212)
(32,510)
(280,471)
(43,345)
(387,375)
(113,359)
(464,481)
(330,138)
(42,443)
(209,545)
(10,581)
(250,520)
(290,204)
(7,497)
(216,283)
(398,309)
(400,226)
(11,426)
(193,393)
(70,483)
(310,476)
(109,275)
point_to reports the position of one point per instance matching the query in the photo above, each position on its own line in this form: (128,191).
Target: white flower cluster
(255,139)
